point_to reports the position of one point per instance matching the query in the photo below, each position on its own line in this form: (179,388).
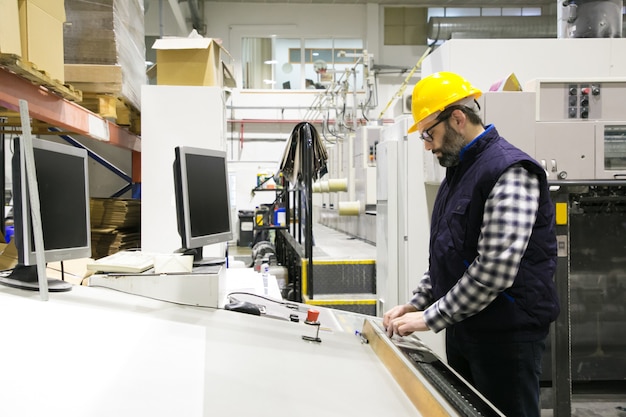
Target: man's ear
(458,119)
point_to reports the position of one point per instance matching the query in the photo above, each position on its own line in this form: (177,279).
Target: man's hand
(395,313)
(407,324)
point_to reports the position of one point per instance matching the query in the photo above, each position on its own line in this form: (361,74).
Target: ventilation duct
(506,27)
(445,28)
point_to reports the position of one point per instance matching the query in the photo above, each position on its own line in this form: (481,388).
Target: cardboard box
(189,61)
(10,28)
(41,33)
(8,255)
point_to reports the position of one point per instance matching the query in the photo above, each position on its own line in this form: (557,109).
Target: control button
(584,112)
(585,91)
(595,90)
(572,112)
(584,101)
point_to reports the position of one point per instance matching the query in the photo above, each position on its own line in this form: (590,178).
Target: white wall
(172,116)
(485,61)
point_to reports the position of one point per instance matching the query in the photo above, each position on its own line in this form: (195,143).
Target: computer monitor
(202,200)
(63,185)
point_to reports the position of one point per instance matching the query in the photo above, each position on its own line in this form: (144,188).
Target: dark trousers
(507,374)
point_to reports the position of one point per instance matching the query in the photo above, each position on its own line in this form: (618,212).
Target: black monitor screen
(208,195)
(61,185)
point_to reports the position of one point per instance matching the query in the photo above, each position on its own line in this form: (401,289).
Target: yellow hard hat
(432,94)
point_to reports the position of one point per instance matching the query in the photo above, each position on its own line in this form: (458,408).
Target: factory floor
(596,405)
(240,253)
(328,244)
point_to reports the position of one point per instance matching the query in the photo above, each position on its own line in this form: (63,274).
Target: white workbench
(199,289)
(100,352)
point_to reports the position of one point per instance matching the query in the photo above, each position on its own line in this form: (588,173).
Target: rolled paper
(349,208)
(338,184)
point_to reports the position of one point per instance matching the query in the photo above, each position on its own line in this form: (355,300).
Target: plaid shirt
(510,213)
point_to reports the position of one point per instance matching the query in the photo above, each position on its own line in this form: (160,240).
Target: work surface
(99,352)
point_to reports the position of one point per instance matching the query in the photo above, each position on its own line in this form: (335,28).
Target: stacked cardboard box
(32,30)
(115,225)
(105,47)
(9,28)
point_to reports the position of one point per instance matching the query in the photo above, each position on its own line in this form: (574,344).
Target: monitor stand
(199,260)
(209,261)
(25,277)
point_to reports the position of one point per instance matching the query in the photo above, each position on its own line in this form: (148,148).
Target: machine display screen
(615,147)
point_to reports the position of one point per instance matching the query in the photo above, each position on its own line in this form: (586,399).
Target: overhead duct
(445,28)
(518,27)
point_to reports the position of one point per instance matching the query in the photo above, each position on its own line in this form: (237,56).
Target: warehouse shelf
(48,106)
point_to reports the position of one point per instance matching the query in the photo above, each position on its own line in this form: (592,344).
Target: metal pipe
(268,107)
(285,121)
(445,28)
(505,27)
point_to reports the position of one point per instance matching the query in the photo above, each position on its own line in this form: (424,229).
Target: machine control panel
(580,99)
(600,99)
(575,128)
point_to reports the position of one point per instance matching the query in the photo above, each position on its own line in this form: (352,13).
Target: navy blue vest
(525,310)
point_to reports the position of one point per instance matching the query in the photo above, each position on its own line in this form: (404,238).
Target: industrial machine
(576,129)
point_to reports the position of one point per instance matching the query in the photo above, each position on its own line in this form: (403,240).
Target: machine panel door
(566,150)
(611,151)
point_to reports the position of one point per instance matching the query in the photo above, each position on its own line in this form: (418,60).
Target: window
(287,63)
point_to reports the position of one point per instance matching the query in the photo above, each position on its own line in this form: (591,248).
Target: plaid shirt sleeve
(510,213)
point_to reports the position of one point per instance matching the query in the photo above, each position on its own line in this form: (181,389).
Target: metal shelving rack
(65,116)
(49,107)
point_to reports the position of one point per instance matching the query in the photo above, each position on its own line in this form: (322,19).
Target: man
(492,251)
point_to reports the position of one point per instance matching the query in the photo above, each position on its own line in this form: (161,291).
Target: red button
(312,315)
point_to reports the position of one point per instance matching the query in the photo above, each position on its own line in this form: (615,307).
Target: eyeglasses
(426,136)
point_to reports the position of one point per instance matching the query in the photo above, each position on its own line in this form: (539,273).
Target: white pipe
(178,15)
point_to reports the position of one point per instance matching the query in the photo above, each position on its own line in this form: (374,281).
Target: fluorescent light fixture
(269,82)
(273,61)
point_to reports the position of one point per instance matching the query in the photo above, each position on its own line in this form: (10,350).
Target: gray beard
(450,150)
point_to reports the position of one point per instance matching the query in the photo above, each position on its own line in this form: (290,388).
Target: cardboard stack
(105,47)
(41,28)
(32,30)
(115,225)
(10,42)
